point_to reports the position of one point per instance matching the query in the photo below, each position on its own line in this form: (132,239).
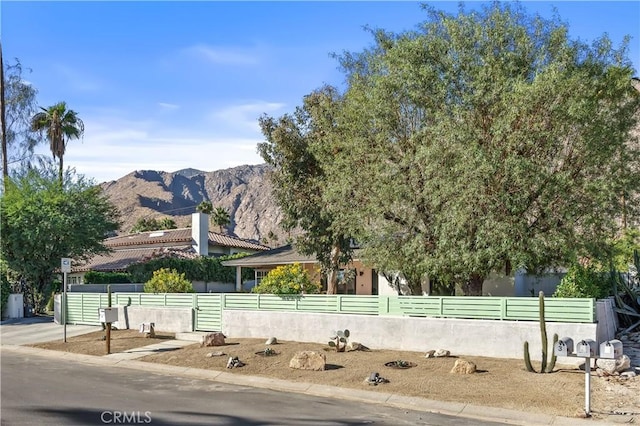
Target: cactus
(544,367)
(339,340)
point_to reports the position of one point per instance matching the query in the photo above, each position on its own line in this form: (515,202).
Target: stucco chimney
(200,233)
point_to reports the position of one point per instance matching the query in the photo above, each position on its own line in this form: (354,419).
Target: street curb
(501,415)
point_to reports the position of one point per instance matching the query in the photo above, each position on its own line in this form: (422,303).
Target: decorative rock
(611,366)
(441,353)
(430,354)
(271,341)
(212,339)
(355,346)
(212,354)
(234,362)
(463,366)
(628,374)
(308,360)
(375,379)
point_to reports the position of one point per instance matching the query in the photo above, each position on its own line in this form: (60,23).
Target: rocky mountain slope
(245,192)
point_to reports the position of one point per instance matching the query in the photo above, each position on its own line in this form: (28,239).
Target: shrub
(95,277)
(584,281)
(168,281)
(287,279)
(5,290)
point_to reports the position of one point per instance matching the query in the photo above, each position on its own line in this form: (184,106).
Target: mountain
(245,192)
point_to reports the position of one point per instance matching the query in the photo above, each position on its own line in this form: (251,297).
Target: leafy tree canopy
(152,224)
(300,149)
(485,140)
(42,222)
(20,105)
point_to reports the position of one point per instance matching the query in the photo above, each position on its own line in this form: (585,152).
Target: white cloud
(78,80)
(113,147)
(168,106)
(225,55)
(245,115)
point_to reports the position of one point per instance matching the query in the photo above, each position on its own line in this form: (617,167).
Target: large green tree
(299,146)
(17,106)
(42,222)
(59,124)
(487,140)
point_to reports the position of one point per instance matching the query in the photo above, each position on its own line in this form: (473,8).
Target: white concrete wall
(171,320)
(500,339)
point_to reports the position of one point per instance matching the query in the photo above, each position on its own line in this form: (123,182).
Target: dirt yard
(500,383)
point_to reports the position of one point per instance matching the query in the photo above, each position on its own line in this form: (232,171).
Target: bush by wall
(94,277)
(208,269)
(584,281)
(168,281)
(287,279)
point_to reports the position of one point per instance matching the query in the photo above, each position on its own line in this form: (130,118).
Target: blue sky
(170,85)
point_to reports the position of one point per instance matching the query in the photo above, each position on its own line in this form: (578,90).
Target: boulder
(612,366)
(441,353)
(430,354)
(212,354)
(212,339)
(271,341)
(463,366)
(308,360)
(355,346)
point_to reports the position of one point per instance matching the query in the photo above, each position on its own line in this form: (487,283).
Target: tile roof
(231,241)
(118,260)
(278,256)
(132,248)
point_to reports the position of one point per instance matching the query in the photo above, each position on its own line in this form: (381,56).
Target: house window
(260,274)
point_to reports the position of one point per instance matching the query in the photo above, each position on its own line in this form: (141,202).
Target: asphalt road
(41,391)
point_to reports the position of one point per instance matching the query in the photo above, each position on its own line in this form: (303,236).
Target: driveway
(24,331)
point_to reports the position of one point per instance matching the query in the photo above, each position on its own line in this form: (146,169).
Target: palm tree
(220,217)
(205,207)
(61,125)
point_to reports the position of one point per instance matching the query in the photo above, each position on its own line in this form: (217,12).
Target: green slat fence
(82,308)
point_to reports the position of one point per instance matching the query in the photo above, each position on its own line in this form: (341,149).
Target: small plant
(399,364)
(269,352)
(544,368)
(287,279)
(339,340)
(165,280)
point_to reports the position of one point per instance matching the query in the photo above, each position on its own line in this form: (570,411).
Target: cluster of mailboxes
(588,348)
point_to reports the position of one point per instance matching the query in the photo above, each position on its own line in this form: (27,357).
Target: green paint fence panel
(82,308)
(318,303)
(415,306)
(208,312)
(365,305)
(241,301)
(471,307)
(556,309)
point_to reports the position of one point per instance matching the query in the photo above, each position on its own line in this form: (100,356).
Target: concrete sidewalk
(127,359)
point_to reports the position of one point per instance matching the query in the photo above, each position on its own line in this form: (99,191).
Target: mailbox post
(588,349)
(108,315)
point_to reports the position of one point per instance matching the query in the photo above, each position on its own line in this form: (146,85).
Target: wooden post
(108,339)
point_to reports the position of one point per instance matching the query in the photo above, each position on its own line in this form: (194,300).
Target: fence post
(503,308)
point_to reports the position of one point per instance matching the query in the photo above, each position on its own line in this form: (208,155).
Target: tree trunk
(3,112)
(473,287)
(332,274)
(60,171)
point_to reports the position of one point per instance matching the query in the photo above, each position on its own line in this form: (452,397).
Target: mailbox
(563,347)
(586,348)
(108,315)
(611,349)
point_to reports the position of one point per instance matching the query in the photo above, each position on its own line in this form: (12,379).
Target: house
(363,280)
(184,242)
